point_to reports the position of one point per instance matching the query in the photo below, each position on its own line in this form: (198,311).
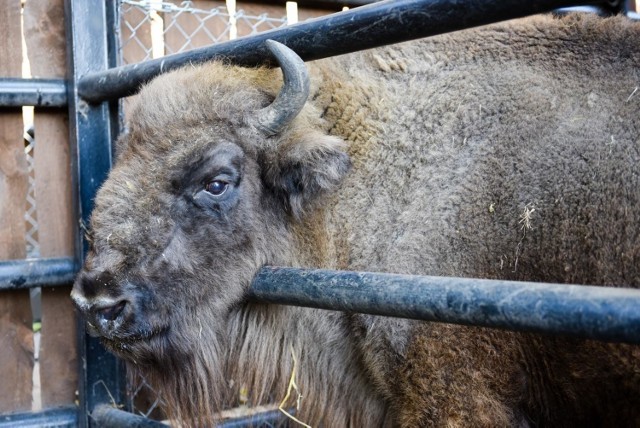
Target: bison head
(212,171)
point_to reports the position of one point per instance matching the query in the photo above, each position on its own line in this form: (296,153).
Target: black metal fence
(95,83)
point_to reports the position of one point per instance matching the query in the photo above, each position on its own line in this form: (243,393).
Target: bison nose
(90,285)
(110,313)
(107,317)
(98,295)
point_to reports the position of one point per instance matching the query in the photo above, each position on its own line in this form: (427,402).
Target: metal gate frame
(91,92)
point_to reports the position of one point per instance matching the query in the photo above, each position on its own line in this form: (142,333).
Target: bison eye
(216,187)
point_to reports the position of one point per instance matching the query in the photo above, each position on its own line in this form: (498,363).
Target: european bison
(509,151)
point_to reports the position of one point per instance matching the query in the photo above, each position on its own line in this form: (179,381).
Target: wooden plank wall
(46,47)
(45,40)
(16,337)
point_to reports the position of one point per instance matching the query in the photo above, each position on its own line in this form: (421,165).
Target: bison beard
(505,152)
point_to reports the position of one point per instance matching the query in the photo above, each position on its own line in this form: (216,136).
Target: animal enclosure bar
(33,92)
(58,417)
(19,274)
(106,416)
(366,27)
(609,314)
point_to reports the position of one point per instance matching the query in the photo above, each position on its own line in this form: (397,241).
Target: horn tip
(271,42)
(275,46)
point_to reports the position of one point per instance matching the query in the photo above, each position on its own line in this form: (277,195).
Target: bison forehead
(148,203)
(202,94)
(131,212)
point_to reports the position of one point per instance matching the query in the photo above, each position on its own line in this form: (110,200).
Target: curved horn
(273,118)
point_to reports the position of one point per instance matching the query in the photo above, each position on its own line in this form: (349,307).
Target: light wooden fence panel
(46,47)
(16,336)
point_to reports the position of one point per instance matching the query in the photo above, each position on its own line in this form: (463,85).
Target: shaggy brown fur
(509,151)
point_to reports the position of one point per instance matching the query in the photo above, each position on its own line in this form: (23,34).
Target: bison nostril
(112,312)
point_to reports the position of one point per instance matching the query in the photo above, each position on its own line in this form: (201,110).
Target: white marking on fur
(525,217)
(80,301)
(525,221)
(611,144)
(104,302)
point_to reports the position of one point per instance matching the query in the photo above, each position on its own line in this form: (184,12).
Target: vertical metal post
(92,131)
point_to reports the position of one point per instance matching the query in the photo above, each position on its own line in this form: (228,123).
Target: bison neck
(274,347)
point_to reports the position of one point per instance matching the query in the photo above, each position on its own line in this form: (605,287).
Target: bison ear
(306,167)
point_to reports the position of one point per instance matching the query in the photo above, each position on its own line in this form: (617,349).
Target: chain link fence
(30,215)
(150,29)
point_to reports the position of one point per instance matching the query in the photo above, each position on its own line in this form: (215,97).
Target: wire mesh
(153,28)
(30,215)
(143,400)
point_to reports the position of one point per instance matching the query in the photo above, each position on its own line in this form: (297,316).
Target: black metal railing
(29,273)
(601,313)
(33,92)
(378,24)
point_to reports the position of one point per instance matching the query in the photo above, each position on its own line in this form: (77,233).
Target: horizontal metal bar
(22,274)
(602,313)
(33,92)
(378,24)
(62,417)
(106,416)
(270,419)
